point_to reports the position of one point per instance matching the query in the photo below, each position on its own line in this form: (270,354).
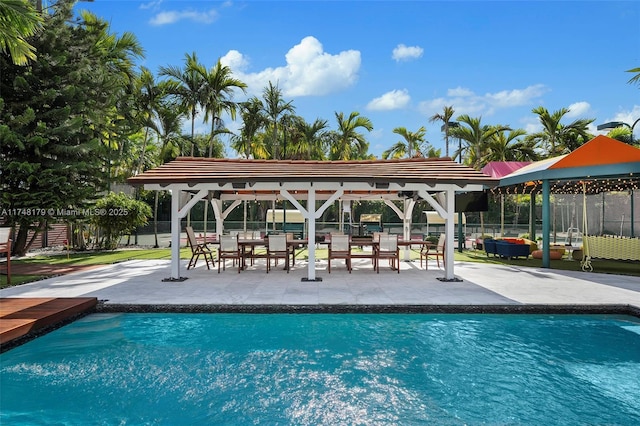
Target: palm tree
(445,117)
(189,89)
(118,54)
(411,146)
(19,20)
(555,137)
(274,106)
(253,120)
(503,146)
(217,91)
(476,137)
(622,134)
(149,94)
(312,141)
(636,78)
(350,144)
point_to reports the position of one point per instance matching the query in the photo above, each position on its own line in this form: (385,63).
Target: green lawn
(110,257)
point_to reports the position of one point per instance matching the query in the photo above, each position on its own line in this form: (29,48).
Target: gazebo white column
(447,214)
(177,214)
(311,214)
(405,216)
(449,230)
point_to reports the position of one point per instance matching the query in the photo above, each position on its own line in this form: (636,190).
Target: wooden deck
(20,317)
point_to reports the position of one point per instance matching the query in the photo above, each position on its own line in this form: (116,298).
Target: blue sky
(400,62)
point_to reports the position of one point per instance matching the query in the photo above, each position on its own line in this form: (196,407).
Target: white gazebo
(312,186)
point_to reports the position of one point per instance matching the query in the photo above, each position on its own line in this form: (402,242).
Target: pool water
(311,369)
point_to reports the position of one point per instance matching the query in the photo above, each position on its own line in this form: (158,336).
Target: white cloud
(395,99)
(459,91)
(235,60)
(578,109)
(466,101)
(173,16)
(309,70)
(406,53)
(516,97)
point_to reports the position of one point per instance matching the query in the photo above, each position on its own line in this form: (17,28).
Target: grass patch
(19,279)
(102,257)
(616,267)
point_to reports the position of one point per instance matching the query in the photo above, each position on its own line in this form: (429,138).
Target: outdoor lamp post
(613,125)
(452,125)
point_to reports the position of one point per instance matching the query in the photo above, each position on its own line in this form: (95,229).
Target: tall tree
(349,144)
(445,118)
(248,143)
(411,146)
(312,142)
(217,93)
(503,146)
(555,137)
(119,54)
(274,107)
(52,113)
(189,90)
(19,20)
(149,96)
(476,137)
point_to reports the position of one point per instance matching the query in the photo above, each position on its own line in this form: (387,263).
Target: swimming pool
(371,369)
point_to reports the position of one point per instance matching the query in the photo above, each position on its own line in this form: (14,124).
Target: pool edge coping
(614,309)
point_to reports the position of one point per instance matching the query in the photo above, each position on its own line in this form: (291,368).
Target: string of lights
(594,186)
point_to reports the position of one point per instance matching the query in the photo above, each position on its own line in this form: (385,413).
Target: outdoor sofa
(507,249)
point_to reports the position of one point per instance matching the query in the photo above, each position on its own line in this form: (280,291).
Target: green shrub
(117,215)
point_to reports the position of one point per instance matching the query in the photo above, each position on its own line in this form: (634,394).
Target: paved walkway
(140,282)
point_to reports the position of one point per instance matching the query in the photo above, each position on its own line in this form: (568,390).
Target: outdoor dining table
(248,247)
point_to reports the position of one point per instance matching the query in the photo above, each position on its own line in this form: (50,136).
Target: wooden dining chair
(198,249)
(230,249)
(339,248)
(388,249)
(436,251)
(277,248)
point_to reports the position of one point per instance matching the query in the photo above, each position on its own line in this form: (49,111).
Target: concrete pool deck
(140,283)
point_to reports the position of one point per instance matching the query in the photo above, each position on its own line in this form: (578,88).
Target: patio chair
(5,247)
(388,249)
(339,249)
(198,249)
(248,251)
(437,252)
(277,248)
(230,249)
(424,254)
